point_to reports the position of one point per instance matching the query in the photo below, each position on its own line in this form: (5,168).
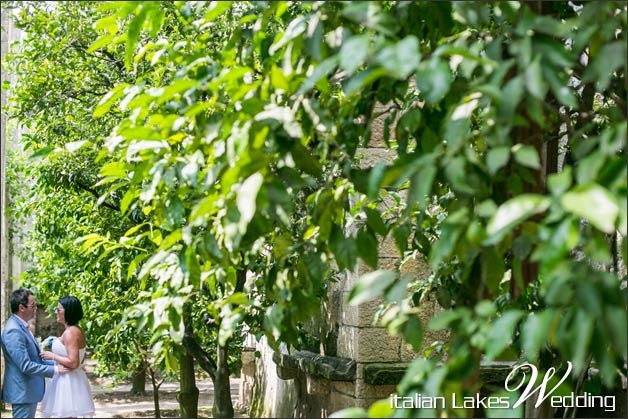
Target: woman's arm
(71,339)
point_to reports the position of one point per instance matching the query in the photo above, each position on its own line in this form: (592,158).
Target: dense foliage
(235,130)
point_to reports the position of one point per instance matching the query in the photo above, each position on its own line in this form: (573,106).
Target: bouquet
(46,344)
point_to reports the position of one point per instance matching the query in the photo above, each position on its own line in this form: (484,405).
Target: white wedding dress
(68,394)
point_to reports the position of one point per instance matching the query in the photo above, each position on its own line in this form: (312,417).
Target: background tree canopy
(202,157)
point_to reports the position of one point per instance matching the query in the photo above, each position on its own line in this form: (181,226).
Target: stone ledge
(391,373)
(495,372)
(384,373)
(315,365)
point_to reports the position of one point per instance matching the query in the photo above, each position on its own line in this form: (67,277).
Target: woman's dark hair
(72,309)
(18,297)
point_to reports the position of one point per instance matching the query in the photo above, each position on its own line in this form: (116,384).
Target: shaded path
(117,401)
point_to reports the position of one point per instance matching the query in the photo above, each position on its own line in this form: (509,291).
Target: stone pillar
(10,264)
(6,29)
(247,374)
(358,337)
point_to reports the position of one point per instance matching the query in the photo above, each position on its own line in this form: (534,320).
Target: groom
(24,370)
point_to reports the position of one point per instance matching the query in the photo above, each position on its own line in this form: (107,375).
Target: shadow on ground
(116,401)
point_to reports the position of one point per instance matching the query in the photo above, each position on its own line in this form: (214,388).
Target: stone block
(406,353)
(361,390)
(347,345)
(416,266)
(369,157)
(384,374)
(427,310)
(369,391)
(317,386)
(385,263)
(345,387)
(378,124)
(247,356)
(387,248)
(286,373)
(367,344)
(360,315)
(339,401)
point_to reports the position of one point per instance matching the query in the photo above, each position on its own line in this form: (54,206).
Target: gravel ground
(117,402)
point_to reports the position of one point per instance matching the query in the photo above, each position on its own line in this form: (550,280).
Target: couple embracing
(67,393)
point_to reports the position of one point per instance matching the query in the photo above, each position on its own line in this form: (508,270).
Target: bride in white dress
(68,395)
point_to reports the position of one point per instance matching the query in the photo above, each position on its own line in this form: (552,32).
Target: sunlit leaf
(593,203)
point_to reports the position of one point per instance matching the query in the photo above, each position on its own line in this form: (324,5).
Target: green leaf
(283,116)
(133,34)
(535,331)
(616,322)
(434,79)
(457,175)
(362,79)
(103,41)
(583,328)
(533,77)
(608,59)
(444,319)
(515,210)
(320,71)
(380,409)
(561,90)
(401,233)
(353,53)
(215,9)
(512,92)
(367,248)
(344,248)
(295,28)
(370,14)
(375,177)
(133,229)
(497,158)
(42,152)
(193,267)
(375,222)
(593,203)
(589,167)
(559,183)
(370,286)
(444,246)
(501,332)
(174,211)
(129,197)
(401,58)
(421,187)
(247,197)
(413,332)
(527,156)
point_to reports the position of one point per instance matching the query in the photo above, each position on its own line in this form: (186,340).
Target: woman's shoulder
(73,332)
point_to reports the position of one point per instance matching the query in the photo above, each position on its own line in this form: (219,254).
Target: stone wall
(9,265)
(346,333)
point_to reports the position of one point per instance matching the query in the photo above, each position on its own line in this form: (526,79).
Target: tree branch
(96,194)
(192,347)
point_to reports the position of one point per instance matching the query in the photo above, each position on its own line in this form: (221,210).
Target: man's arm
(15,345)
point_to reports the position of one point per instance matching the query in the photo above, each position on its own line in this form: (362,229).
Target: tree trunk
(138,381)
(223,407)
(156,386)
(188,392)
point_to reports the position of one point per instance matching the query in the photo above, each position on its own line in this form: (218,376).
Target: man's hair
(19,297)
(72,310)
